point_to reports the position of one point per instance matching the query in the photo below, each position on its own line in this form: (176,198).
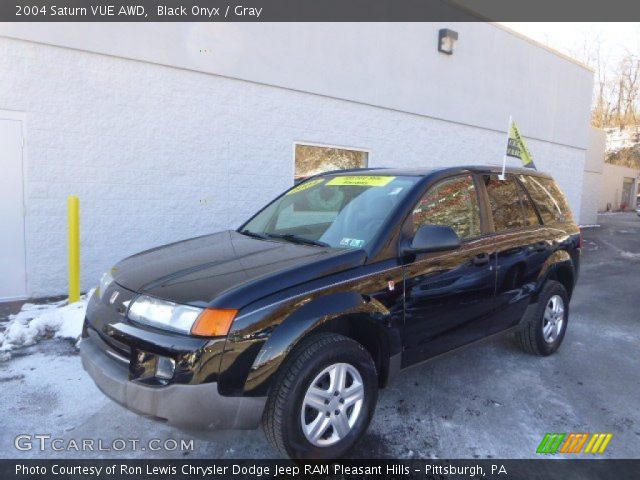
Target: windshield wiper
(291,237)
(249,233)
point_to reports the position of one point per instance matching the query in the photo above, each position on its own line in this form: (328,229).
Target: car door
(448,295)
(520,246)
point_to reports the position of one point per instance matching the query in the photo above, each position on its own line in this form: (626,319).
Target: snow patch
(619,139)
(630,255)
(37,321)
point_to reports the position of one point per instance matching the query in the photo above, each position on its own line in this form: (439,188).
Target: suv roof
(423,172)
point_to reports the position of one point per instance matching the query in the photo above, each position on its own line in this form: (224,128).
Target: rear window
(549,199)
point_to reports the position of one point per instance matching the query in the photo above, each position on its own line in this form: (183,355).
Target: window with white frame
(313,159)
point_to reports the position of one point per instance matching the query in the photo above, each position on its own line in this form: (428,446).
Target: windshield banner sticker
(361,180)
(303,186)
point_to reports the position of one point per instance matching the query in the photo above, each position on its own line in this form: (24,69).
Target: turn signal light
(213,322)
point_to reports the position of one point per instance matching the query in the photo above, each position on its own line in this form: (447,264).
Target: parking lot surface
(489,400)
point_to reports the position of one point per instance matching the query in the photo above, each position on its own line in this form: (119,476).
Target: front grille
(116,356)
(122,348)
(107,310)
(112,348)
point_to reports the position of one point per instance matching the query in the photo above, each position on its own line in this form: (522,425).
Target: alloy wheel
(332,404)
(553,319)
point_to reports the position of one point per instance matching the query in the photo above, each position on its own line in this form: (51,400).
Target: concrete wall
(158,153)
(592,177)
(611,185)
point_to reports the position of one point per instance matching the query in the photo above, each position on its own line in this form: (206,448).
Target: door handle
(512,251)
(481,259)
(539,247)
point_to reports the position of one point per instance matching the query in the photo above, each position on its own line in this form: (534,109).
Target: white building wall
(611,185)
(157,154)
(492,74)
(591,186)
(592,177)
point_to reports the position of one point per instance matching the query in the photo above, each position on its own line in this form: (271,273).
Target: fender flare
(310,317)
(556,260)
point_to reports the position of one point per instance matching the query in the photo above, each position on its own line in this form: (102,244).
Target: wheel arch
(564,274)
(350,314)
(365,329)
(559,267)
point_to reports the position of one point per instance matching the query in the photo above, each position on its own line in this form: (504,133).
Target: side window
(452,202)
(504,199)
(550,201)
(530,215)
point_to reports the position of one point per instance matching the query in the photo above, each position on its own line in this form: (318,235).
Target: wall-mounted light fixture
(446,39)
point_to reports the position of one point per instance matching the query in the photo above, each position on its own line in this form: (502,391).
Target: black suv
(297,318)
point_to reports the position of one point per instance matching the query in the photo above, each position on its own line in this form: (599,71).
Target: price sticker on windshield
(303,186)
(361,180)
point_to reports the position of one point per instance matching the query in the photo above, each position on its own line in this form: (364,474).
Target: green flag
(516,147)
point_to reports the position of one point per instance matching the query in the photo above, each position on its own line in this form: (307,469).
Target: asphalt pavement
(489,400)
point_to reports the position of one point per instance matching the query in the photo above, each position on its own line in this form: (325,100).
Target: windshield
(334,211)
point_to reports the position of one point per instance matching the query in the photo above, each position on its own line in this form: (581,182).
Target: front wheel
(323,399)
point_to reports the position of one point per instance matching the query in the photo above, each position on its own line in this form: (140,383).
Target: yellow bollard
(73,212)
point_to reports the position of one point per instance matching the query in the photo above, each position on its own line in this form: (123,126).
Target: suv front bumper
(185,406)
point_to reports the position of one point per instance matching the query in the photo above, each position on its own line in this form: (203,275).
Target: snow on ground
(619,139)
(37,321)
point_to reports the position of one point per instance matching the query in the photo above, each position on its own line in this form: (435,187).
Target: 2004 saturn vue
(300,316)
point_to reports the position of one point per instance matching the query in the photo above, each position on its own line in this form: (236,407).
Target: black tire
(282,422)
(530,334)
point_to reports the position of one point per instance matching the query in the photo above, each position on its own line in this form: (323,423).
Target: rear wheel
(544,324)
(323,399)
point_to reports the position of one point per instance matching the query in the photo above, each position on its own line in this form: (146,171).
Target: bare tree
(616,96)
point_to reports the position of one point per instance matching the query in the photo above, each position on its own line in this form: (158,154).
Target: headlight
(105,281)
(207,322)
(160,313)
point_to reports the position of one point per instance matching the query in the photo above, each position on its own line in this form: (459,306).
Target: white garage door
(12,248)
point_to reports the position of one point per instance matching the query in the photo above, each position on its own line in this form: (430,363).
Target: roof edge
(538,44)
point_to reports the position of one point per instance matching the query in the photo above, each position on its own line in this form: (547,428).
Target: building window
(314,159)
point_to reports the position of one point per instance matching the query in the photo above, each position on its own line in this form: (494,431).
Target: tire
(539,334)
(287,411)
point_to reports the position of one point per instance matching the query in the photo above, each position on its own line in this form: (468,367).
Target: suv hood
(228,269)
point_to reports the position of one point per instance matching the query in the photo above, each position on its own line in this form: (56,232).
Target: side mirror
(433,238)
